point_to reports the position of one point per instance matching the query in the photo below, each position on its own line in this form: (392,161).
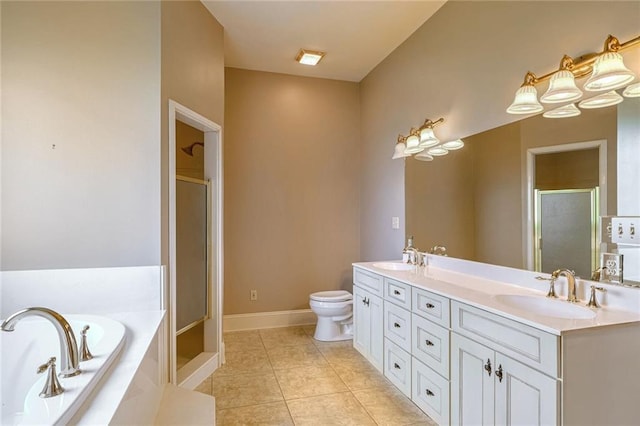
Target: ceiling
(356,35)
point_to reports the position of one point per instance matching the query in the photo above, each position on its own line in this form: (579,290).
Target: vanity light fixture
(309,57)
(424,143)
(606,71)
(562,112)
(399,151)
(632,91)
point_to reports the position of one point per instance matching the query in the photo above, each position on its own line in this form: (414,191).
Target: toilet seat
(331,296)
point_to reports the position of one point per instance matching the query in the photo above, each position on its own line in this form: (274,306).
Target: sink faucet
(69,363)
(410,251)
(571,281)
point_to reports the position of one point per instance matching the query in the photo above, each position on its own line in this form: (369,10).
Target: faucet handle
(552,288)
(593,300)
(85,353)
(52,386)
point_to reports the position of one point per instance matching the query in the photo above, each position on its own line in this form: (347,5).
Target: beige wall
(464,64)
(192,75)
(81,124)
(291,188)
(567,170)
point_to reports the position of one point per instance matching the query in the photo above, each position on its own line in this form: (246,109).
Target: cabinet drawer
(397,366)
(430,392)
(526,344)
(368,280)
(398,293)
(397,325)
(430,344)
(431,306)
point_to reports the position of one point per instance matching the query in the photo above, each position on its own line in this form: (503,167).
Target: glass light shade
(399,151)
(428,138)
(526,101)
(606,99)
(423,156)
(437,151)
(562,88)
(564,111)
(608,73)
(453,145)
(632,91)
(413,145)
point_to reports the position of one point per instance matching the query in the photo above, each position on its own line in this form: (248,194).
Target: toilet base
(328,330)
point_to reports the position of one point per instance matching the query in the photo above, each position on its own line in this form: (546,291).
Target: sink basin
(544,306)
(394,266)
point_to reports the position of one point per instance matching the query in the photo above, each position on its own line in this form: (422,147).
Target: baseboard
(198,369)
(258,320)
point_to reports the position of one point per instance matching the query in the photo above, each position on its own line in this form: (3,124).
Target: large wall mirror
(530,194)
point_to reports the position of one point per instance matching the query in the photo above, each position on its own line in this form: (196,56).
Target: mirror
(479,202)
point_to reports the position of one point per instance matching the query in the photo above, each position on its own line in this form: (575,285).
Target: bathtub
(32,343)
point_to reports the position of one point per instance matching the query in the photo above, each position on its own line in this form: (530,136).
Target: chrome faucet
(410,251)
(571,281)
(69,364)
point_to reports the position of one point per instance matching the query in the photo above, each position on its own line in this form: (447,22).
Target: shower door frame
(213,168)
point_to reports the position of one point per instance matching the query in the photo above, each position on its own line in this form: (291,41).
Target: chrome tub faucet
(69,364)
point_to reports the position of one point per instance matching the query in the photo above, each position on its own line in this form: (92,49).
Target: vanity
(472,343)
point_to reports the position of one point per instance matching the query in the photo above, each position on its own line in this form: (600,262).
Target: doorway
(567,194)
(197,326)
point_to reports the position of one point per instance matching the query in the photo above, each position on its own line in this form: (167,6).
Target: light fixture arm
(428,124)
(582,65)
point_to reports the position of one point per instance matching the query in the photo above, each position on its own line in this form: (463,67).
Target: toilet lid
(331,296)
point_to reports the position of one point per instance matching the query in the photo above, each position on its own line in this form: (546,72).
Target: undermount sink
(394,266)
(555,308)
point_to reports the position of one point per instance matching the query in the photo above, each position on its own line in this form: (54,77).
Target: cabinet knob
(487,367)
(396,292)
(365,301)
(499,373)
(396,366)
(429,393)
(430,306)
(429,342)
(396,325)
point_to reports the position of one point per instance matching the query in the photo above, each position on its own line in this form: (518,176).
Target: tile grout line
(277,381)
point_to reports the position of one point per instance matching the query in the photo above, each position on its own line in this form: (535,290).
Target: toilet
(335,315)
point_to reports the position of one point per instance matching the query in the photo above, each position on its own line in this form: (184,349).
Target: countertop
(481,293)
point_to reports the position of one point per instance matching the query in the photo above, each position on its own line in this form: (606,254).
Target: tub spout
(69,364)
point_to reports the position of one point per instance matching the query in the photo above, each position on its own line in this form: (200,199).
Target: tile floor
(282,376)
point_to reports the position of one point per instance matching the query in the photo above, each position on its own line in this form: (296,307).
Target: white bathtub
(32,343)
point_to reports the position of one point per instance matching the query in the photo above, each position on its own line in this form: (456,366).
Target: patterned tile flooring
(282,376)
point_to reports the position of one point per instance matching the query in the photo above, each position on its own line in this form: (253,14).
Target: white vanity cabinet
(368,317)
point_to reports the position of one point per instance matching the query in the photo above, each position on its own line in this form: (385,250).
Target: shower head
(189,149)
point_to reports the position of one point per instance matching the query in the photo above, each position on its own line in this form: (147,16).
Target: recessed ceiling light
(309,57)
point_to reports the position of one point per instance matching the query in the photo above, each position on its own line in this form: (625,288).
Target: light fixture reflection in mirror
(437,151)
(632,91)
(564,111)
(423,156)
(605,100)
(453,145)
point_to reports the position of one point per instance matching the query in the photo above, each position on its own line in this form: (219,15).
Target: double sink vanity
(472,343)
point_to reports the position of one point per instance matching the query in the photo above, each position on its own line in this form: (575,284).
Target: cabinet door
(472,385)
(376,330)
(524,396)
(362,322)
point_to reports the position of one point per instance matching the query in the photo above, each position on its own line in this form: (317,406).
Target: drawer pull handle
(365,301)
(487,366)
(396,366)
(499,373)
(429,393)
(430,306)
(396,292)
(396,325)
(429,342)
